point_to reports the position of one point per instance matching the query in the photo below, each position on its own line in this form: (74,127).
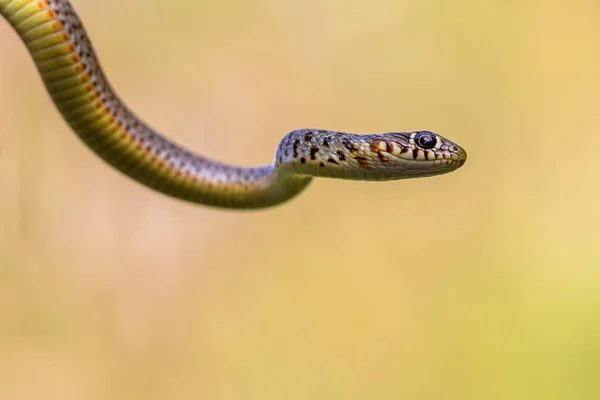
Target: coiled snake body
(64,56)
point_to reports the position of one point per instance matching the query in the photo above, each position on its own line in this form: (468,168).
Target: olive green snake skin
(65,59)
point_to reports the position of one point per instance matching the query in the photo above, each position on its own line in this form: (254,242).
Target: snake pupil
(426,140)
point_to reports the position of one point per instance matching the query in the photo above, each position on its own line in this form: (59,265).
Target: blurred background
(484,283)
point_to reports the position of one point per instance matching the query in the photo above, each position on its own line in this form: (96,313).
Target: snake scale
(67,63)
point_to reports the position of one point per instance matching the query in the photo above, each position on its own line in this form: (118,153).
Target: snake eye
(426,140)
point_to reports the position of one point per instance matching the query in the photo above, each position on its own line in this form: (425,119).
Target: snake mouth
(451,161)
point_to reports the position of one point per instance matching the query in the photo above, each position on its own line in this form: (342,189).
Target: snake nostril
(454,148)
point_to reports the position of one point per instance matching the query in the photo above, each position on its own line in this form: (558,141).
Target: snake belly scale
(71,72)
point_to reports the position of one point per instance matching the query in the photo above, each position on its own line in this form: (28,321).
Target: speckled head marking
(67,62)
(387,156)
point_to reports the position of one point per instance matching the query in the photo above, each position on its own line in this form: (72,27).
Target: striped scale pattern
(71,72)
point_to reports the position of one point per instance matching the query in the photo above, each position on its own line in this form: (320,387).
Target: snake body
(71,72)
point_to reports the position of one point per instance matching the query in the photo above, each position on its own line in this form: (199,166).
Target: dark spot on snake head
(352,147)
(388,147)
(382,157)
(313,152)
(295,148)
(349,145)
(362,161)
(374,146)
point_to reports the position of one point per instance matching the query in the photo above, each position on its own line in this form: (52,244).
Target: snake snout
(462,156)
(457,154)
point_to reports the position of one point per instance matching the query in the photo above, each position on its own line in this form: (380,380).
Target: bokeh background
(481,284)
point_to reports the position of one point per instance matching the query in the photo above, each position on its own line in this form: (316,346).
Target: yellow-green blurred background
(481,284)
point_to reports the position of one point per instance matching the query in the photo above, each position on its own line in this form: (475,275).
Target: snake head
(424,153)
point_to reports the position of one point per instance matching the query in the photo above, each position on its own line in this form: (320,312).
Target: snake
(71,72)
